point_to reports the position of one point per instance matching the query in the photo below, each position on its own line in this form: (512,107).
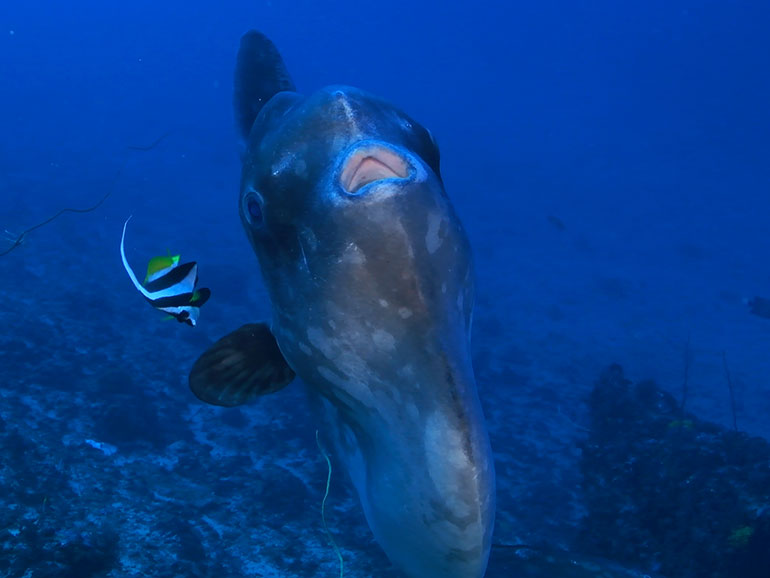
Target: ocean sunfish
(371,282)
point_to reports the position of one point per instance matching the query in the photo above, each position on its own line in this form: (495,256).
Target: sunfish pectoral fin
(260,74)
(239,367)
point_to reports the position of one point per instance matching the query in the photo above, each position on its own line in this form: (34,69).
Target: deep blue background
(642,127)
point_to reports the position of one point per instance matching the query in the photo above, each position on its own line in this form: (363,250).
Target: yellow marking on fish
(157,264)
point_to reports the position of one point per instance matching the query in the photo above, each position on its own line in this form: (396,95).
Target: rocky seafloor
(111,468)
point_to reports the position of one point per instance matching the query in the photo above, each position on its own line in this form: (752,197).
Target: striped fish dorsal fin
(159,266)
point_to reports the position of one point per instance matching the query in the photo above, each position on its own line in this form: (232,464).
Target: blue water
(610,162)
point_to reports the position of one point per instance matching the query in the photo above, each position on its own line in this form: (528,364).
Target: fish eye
(253,209)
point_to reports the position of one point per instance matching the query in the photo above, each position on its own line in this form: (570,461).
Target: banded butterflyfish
(169,286)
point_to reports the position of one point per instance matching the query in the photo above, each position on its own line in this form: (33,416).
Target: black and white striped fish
(169,286)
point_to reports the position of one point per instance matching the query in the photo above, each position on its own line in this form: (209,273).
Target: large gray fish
(370,277)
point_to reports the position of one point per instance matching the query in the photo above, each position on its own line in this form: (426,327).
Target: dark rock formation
(669,492)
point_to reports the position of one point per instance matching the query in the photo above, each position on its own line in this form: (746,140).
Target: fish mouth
(370,163)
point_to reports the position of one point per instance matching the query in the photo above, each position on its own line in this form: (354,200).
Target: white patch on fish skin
(443,287)
(321,341)
(354,388)
(332,324)
(339,141)
(405,312)
(350,363)
(383,303)
(433,238)
(282,163)
(384,340)
(330,376)
(304,348)
(350,114)
(339,348)
(446,460)
(352,255)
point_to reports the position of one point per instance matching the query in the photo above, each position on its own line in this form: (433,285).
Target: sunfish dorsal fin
(260,74)
(242,365)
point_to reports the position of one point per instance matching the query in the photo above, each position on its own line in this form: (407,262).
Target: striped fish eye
(252,209)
